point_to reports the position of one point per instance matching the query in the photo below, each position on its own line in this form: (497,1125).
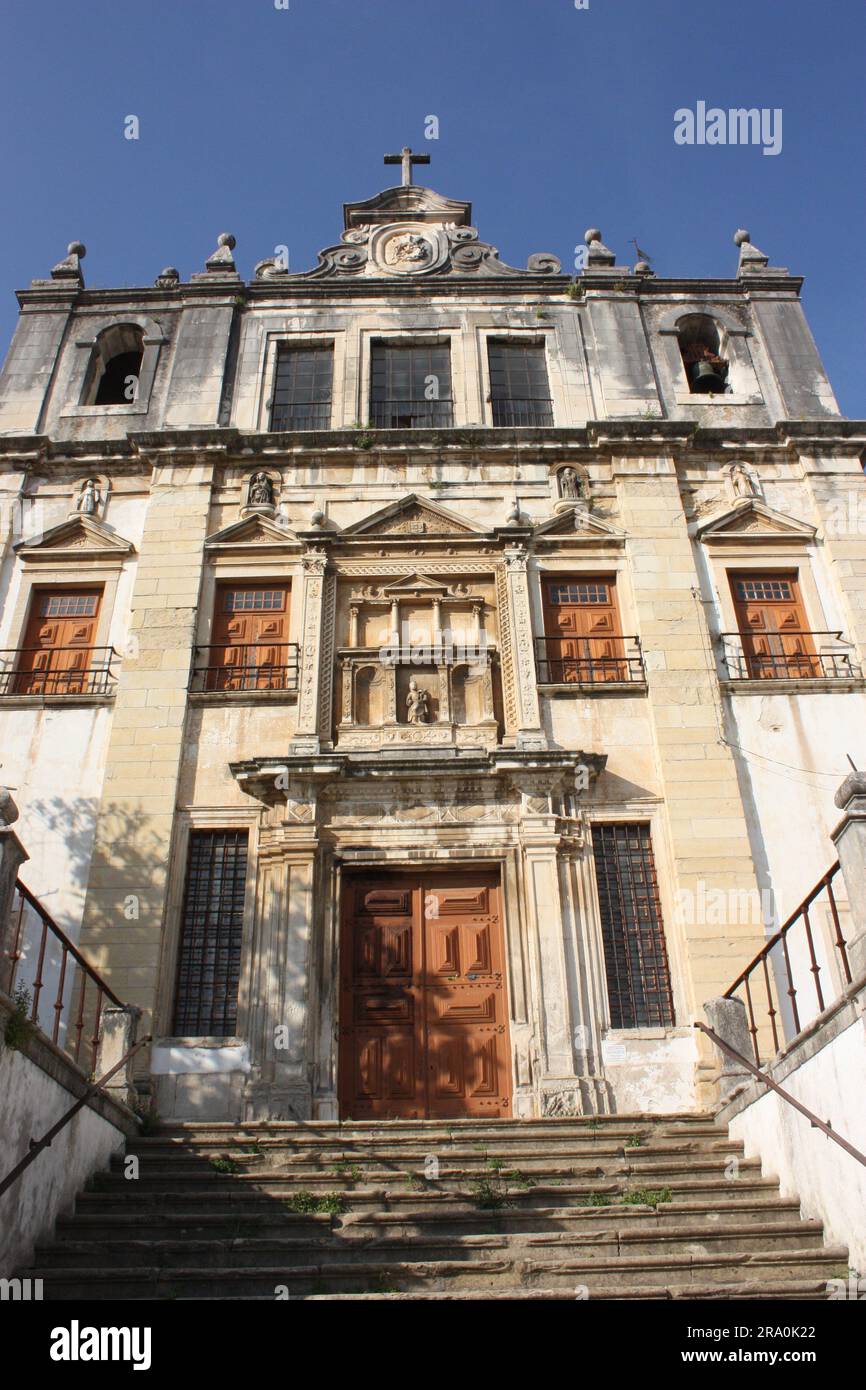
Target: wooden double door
(58,656)
(423,999)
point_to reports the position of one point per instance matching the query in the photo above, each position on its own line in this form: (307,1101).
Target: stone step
(117,1194)
(285,1151)
(597,1276)
(259,1218)
(652,1169)
(337,1247)
(424,1131)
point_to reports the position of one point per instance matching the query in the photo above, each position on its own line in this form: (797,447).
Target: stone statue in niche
(89,498)
(417,704)
(571,486)
(261,490)
(742,482)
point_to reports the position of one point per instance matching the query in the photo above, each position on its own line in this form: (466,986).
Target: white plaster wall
(830,1184)
(31,1101)
(54,758)
(651,1075)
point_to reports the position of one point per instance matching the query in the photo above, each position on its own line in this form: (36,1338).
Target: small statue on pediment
(742,482)
(417,704)
(89,498)
(261,490)
(572,486)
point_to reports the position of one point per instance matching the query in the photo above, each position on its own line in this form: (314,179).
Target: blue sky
(262,122)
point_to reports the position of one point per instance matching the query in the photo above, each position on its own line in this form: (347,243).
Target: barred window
(209,965)
(635,954)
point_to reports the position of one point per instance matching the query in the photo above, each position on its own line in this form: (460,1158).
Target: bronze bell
(707,377)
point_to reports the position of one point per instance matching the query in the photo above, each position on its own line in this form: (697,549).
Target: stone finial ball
(741,237)
(641,268)
(76,248)
(169,272)
(226,239)
(317,517)
(592,234)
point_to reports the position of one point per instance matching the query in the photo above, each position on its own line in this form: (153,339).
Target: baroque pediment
(405,233)
(752,520)
(578,523)
(253,532)
(75,538)
(413,516)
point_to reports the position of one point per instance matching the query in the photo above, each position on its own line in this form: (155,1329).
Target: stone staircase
(622,1207)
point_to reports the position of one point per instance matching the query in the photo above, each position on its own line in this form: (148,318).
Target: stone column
(117,1036)
(12,856)
(727,1017)
(849,838)
(313,651)
(530,734)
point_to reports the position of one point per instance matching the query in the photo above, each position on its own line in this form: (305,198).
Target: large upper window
(519,387)
(635,954)
(302,388)
(410,387)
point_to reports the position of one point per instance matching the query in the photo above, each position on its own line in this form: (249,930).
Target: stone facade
(378,532)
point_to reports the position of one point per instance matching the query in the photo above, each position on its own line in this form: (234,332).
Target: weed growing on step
(598,1199)
(491,1193)
(309,1204)
(225,1165)
(634,1141)
(382,1284)
(351,1171)
(416,1182)
(647,1196)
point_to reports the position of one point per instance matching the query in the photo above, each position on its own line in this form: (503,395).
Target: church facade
(425,681)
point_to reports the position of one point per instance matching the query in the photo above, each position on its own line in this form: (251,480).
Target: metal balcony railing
(589,661)
(512,410)
(57,671)
(411,414)
(795,655)
(247,667)
(309,415)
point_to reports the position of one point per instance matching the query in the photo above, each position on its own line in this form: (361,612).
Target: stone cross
(407,159)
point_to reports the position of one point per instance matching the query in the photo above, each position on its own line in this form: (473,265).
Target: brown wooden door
(249,644)
(772,623)
(57,657)
(582,629)
(423,1003)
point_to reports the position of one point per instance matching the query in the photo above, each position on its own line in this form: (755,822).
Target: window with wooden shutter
(583,642)
(773,626)
(635,953)
(211,935)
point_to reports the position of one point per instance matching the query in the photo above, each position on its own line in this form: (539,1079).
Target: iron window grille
(211,934)
(635,953)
